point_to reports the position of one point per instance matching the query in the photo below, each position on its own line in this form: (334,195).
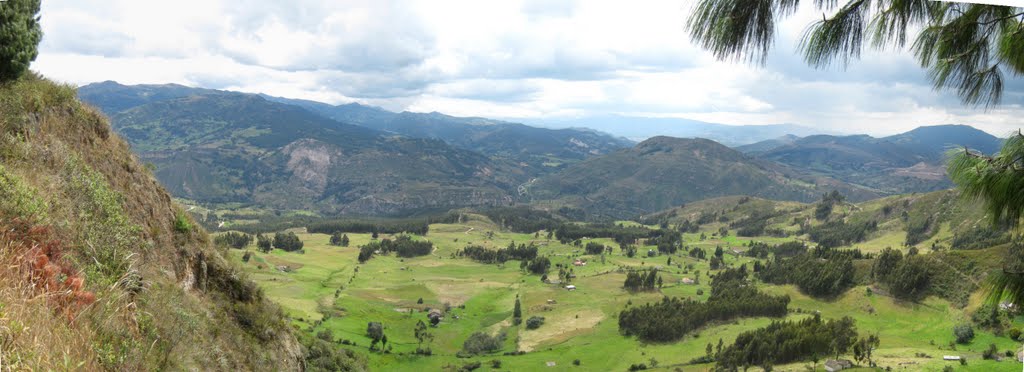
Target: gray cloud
(527,58)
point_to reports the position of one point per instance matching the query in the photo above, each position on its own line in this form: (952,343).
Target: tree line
(784,342)
(403,246)
(478,253)
(233,239)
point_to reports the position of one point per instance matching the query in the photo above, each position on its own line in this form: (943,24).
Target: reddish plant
(42,259)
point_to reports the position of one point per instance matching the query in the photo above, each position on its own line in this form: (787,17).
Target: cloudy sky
(530,60)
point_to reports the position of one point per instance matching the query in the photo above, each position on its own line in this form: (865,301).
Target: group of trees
(539,265)
(263,243)
(981,237)
(233,239)
(672,318)
(756,223)
(339,239)
(287,241)
(906,277)
(481,343)
(478,253)
(403,246)
(839,233)
(642,280)
(827,203)
(417,226)
(814,276)
(791,341)
(595,248)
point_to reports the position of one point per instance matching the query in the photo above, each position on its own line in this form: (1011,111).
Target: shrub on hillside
(481,343)
(964,333)
(534,322)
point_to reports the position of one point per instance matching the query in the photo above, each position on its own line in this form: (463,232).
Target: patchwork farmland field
(326,288)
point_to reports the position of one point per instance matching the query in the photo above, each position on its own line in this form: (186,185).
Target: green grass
(580,324)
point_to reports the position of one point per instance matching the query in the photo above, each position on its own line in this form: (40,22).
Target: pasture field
(326,288)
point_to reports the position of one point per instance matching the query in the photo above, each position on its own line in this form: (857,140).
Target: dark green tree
(517,312)
(20,35)
(375,331)
(263,243)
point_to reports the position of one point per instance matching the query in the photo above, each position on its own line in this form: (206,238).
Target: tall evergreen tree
(20,35)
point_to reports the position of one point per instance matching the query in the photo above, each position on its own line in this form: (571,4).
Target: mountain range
(227,147)
(906,162)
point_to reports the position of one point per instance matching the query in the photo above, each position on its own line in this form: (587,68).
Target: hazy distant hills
(666,171)
(540,149)
(230,147)
(907,162)
(640,128)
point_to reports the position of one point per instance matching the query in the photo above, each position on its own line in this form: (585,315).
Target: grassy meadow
(326,288)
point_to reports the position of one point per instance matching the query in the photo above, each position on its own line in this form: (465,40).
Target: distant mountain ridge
(541,149)
(641,128)
(665,171)
(902,163)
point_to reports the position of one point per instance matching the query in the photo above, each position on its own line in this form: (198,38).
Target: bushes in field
(233,239)
(534,322)
(672,318)
(481,343)
(339,239)
(784,342)
(287,241)
(522,252)
(963,333)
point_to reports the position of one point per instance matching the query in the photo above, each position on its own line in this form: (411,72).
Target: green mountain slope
(101,270)
(665,171)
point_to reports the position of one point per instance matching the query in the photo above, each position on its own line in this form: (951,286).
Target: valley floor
(325,288)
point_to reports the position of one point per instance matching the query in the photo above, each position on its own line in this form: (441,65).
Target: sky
(531,60)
